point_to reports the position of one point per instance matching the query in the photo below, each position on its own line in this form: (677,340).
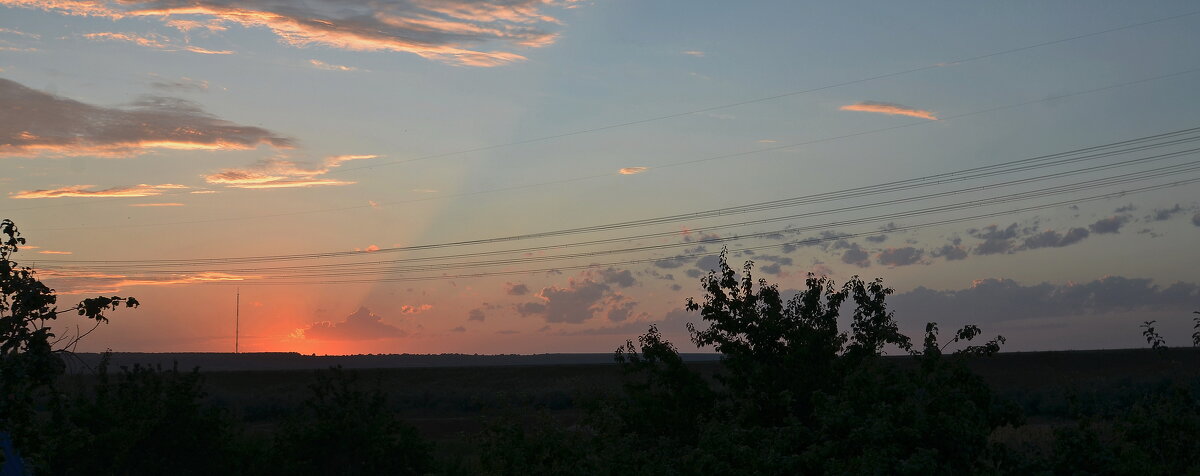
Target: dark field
(447,403)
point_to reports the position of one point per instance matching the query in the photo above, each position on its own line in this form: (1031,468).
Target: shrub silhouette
(30,353)
(149,421)
(342,429)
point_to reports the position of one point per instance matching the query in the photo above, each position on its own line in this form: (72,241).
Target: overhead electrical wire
(344,269)
(1173,138)
(696,255)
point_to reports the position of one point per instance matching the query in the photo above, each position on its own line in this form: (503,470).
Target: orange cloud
(890,109)
(280,173)
(140,190)
(331,67)
(466,33)
(157,42)
(66,281)
(406,309)
(633,170)
(52,252)
(34,123)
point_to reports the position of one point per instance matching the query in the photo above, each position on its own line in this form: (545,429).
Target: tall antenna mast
(237,319)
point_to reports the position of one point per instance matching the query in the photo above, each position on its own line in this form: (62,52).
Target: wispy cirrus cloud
(632,170)
(72,282)
(332,67)
(34,123)
(53,252)
(84,191)
(281,173)
(463,32)
(155,41)
(890,109)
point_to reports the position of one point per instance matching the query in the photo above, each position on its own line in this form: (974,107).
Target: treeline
(794,394)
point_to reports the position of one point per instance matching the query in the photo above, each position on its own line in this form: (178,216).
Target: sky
(529,176)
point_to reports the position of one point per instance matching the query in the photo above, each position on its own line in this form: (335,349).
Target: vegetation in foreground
(794,394)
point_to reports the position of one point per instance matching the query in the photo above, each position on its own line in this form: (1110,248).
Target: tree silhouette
(30,353)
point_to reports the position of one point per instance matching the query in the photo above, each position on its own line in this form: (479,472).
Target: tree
(800,395)
(30,353)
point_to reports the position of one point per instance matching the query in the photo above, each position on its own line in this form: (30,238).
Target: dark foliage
(342,429)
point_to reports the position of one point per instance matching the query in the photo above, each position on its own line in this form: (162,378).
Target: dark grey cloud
(623,278)
(1125,208)
(996,240)
(476,315)
(772,269)
(951,252)
(362,325)
(181,85)
(900,256)
(459,329)
(1111,224)
(1196,219)
(855,255)
(516,289)
(877,238)
(708,263)
(577,302)
(1054,239)
(34,123)
(1164,214)
(672,262)
(997,300)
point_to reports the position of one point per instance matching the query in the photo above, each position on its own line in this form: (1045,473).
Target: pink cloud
(890,109)
(463,32)
(75,191)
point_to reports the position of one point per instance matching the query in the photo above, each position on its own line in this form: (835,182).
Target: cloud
(632,170)
(459,329)
(462,32)
(362,325)
(996,300)
(52,252)
(476,315)
(996,240)
(516,289)
(695,53)
(623,278)
(407,309)
(165,204)
(331,67)
(890,109)
(855,255)
(1054,239)
(1164,214)
(281,173)
(75,191)
(1196,219)
(581,300)
(952,252)
(34,123)
(1111,224)
(183,84)
(72,282)
(158,42)
(900,256)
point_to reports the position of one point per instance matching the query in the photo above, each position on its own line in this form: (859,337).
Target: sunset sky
(526,176)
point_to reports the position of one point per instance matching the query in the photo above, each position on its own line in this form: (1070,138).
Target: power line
(1139,144)
(1121,193)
